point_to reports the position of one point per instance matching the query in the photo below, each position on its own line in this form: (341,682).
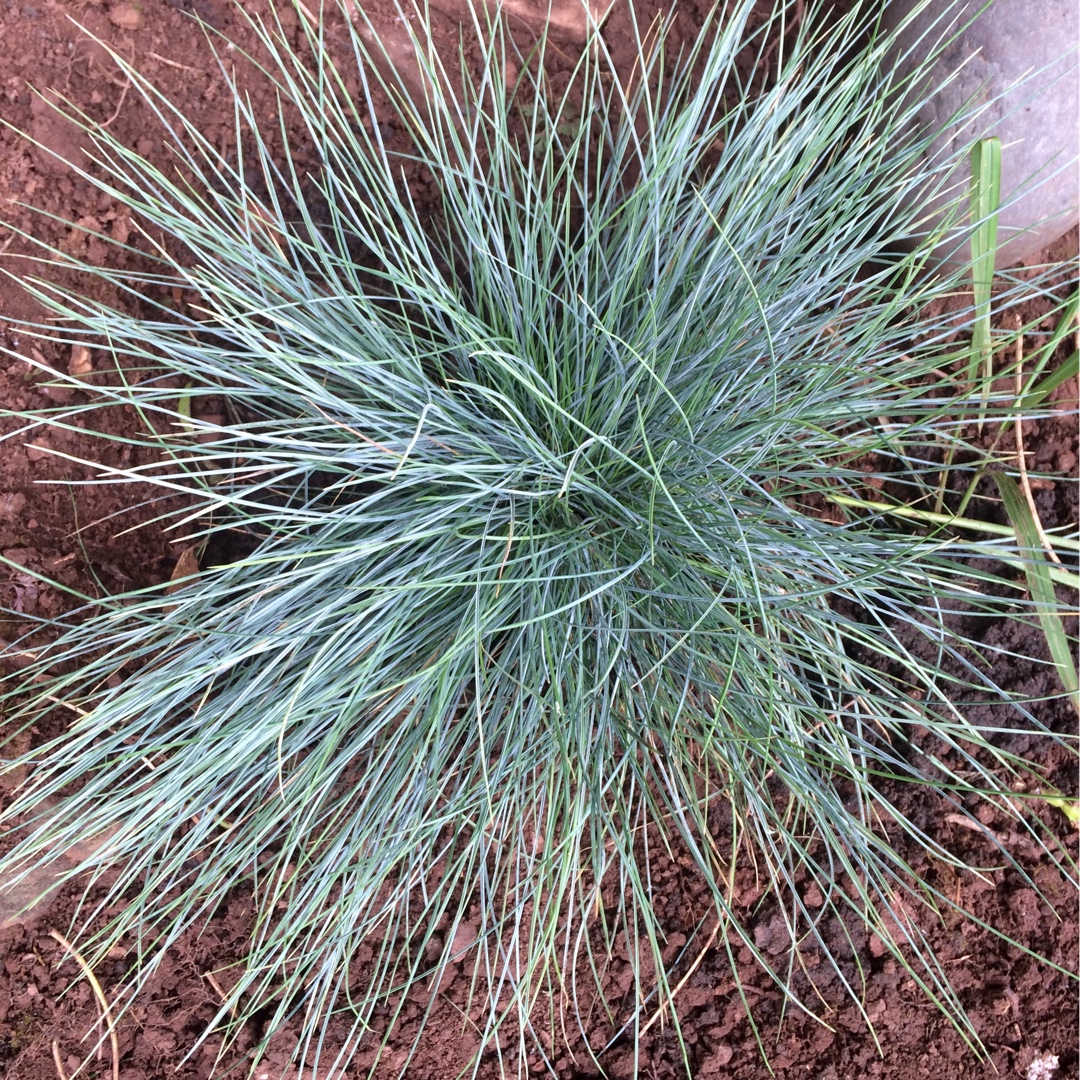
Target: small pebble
(11,504)
(126,17)
(60,394)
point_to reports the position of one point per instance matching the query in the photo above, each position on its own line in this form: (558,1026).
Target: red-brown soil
(80,538)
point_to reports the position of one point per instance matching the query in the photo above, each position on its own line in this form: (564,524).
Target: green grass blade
(985,200)
(1041,583)
(1068,369)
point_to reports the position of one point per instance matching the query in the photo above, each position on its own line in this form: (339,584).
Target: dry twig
(119,104)
(57,1062)
(1021,464)
(106,1012)
(685,979)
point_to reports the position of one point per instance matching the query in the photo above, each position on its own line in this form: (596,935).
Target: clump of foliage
(547,572)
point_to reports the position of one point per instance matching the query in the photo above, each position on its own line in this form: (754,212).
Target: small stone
(1043,1067)
(11,505)
(1019,60)
(717,1059)
(60,394)
(36,453)
(126,17)
(290,21)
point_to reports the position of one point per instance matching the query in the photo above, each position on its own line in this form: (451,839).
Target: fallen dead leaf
(187,567)
(80,363)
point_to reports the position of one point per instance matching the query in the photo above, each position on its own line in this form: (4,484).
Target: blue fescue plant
(558,532)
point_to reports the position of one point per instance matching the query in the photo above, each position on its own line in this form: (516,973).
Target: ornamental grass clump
(544,571)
